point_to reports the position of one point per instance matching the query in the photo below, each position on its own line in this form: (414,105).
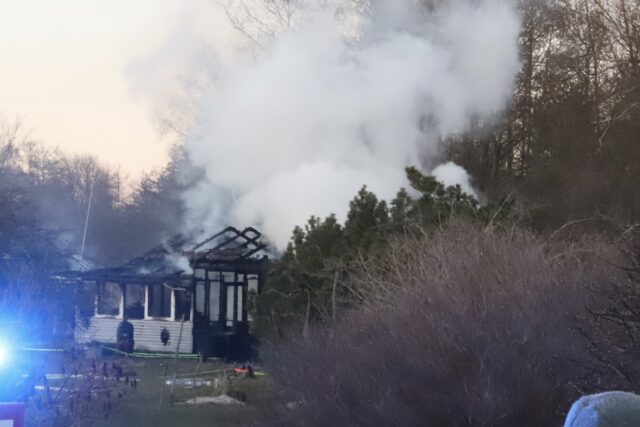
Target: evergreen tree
(306,284)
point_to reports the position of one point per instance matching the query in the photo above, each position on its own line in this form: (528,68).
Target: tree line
(46,195)
(568,145)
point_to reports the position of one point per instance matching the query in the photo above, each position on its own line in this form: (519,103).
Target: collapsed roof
(172,260)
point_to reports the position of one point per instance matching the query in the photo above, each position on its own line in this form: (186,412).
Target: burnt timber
(202,289)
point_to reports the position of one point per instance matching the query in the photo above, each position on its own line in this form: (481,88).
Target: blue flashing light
(4,355)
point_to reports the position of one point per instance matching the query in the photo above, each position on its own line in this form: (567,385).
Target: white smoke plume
(451,175)
(300,129)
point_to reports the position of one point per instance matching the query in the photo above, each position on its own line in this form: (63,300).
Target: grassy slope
(141,407)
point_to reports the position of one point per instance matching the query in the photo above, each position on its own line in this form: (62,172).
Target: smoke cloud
(451,175)
(300,129)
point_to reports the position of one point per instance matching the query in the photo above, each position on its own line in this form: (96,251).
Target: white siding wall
(146,334)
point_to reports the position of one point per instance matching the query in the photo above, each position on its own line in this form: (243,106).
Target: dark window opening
(239,305)
(134,300)
(109,295)
(183,305)
(214,302)
(252,282)
(231,304)
(200,299)
(159,301)
(86,300)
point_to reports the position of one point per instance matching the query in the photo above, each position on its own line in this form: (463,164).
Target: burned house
(195,296)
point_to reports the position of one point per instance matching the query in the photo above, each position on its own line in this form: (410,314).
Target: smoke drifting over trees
(297,131)
(47,191)
(305,125)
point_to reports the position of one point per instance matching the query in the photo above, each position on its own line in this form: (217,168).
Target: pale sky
(65,70)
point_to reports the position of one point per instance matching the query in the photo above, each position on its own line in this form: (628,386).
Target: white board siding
(146,334)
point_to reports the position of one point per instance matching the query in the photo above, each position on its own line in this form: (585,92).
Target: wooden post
(195,374)
(175,360)
(164,379)
(235,298)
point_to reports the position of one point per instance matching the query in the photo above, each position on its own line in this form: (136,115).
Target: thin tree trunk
(305,327)
(336,275)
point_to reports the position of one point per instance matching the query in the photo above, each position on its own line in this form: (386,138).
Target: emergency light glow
(3,354)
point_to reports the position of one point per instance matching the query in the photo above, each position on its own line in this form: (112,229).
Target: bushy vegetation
(610,323)
(568,143)
(309,283)
(464,325)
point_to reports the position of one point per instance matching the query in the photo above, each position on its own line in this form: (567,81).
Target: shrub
(612,319)
(460,327)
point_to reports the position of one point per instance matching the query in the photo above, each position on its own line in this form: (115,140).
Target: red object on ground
(12,411)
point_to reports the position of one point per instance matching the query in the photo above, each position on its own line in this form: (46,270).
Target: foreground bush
(462,327)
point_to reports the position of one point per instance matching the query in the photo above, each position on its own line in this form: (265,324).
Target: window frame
(174,302)
(147,305)
(98,315)
(144,300)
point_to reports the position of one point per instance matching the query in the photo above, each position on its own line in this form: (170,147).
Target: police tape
(115,350)
(153,355)
(50,350)
(157,356)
